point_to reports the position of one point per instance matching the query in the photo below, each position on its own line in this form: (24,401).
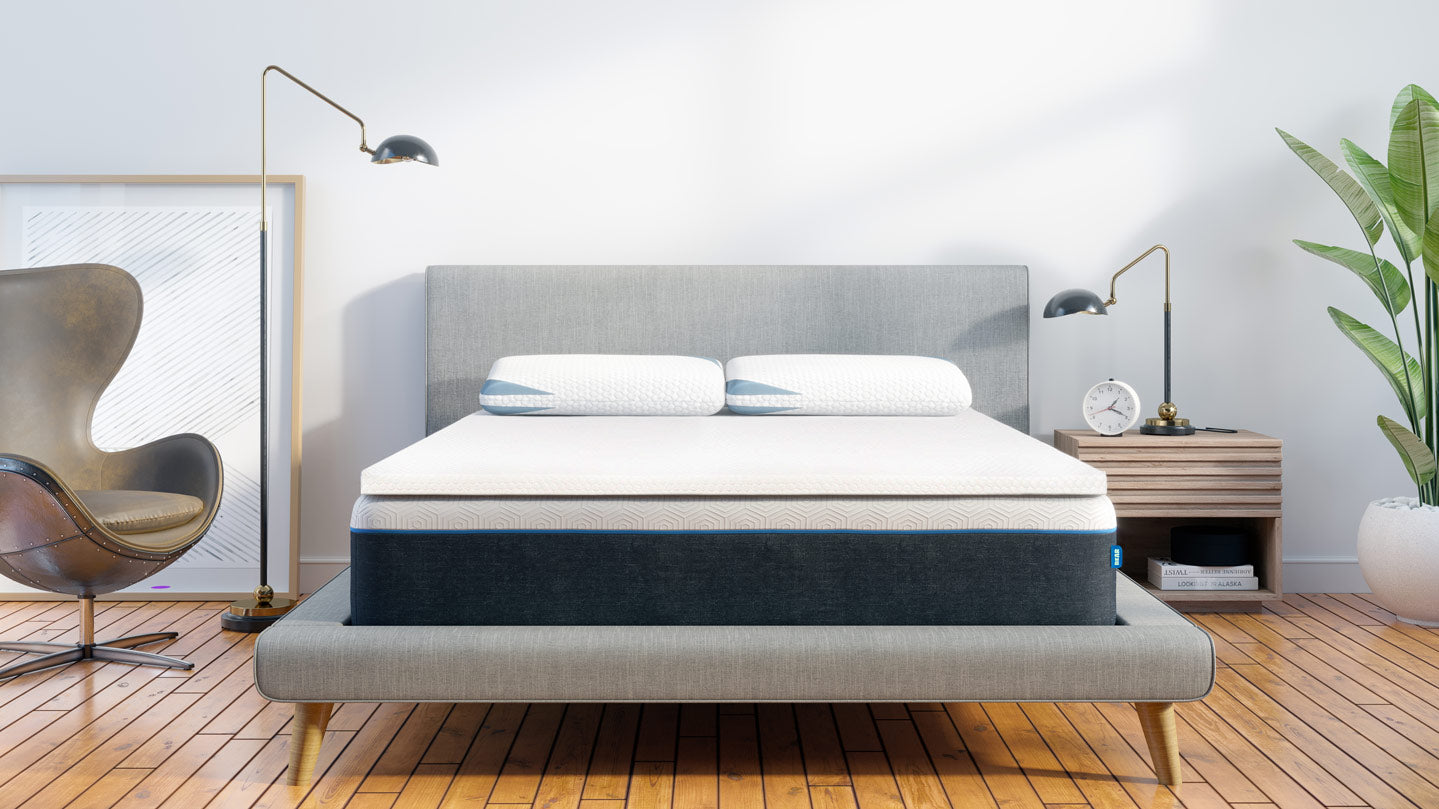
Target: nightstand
(1158,482)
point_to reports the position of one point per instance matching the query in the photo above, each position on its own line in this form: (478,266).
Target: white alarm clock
(1111,407)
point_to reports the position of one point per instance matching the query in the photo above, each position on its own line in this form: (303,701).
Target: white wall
(1066,136)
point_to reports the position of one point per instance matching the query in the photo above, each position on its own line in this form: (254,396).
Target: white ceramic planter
(1399,555)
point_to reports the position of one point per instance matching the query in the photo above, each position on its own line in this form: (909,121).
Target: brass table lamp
(1083,301)
(255,613)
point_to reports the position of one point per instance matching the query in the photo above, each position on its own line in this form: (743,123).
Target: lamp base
(254,615)
(1175,426)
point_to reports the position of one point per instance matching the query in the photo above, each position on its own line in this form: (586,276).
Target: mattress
(732,520)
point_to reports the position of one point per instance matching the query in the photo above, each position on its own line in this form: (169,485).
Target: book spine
(1206,582)
(1209,572)
(1167,568)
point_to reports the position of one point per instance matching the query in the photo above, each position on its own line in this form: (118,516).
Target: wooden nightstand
(1158,482)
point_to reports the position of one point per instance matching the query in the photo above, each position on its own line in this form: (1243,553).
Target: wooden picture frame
(186,236)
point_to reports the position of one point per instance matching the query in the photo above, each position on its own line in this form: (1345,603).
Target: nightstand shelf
(1158,482)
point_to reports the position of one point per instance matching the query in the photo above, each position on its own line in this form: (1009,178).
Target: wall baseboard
(1323,574)
(316,570)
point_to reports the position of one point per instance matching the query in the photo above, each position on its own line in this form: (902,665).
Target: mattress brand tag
(1116,556)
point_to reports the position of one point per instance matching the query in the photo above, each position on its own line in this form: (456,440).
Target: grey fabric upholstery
(976,316)
(1152,655)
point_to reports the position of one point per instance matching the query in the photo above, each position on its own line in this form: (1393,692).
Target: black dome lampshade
(1075,301)
(405,148)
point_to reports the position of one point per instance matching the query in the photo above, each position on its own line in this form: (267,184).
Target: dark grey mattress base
(417,578)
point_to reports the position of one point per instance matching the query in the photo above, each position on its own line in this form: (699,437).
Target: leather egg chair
(73,518)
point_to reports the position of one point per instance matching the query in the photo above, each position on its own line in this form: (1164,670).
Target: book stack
(1167,574)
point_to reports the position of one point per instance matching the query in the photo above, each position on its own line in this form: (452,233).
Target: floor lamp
(255,613)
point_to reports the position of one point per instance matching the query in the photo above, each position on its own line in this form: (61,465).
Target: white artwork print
(195,365)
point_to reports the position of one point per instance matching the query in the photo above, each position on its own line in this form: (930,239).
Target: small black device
(1209,545)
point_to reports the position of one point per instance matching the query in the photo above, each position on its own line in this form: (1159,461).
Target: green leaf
(1418,458)
(1372,175)
(1386,357)
(1408,94)
(1349,191)
(1414,163)
(1431,249)
(1393,291)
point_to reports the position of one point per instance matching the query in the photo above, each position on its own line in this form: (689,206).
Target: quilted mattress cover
(415,513)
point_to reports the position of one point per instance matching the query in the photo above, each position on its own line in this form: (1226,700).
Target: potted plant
(1398,536)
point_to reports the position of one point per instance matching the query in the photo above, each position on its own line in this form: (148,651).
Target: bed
(844,558)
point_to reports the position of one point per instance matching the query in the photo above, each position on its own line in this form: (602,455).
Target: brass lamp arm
(265,74)
(1126,267)
(364,147)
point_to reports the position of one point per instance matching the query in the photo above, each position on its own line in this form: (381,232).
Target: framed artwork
(192,241)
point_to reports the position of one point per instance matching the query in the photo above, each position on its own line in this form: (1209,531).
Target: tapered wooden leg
(1163,740)
(306,733)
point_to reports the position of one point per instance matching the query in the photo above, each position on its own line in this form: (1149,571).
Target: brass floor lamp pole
(263,607)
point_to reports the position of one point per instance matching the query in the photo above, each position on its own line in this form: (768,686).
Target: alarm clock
(1111,407)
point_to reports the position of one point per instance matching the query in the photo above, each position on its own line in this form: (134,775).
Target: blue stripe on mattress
(937,532)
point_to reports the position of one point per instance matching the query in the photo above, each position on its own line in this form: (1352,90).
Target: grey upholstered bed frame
(977,316)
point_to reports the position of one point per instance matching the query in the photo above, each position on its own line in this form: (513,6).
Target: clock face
(1111,407)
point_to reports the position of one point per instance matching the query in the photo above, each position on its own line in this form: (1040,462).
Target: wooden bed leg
(1159,733)
(306,733)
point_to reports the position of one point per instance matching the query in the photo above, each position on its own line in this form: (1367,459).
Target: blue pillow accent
(745,387)
(746,410)
(499,410)
(711,359)
(499,387)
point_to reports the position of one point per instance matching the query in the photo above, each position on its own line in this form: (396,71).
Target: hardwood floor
(1321,701)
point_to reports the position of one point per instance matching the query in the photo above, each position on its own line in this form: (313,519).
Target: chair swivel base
(118,650)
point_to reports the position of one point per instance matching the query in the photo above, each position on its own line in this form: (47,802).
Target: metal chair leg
(131,641)
(118,651)
(48,661)
(139,658)
(34,647)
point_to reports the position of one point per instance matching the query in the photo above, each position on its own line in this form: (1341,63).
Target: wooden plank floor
(1321,701)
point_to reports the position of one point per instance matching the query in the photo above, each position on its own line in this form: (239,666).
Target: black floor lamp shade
(398,148)
(1074,301)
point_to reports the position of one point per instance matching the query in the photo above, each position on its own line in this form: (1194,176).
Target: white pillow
(603,385)
(845,385)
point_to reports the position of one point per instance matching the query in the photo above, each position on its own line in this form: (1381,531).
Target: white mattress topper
(967,454)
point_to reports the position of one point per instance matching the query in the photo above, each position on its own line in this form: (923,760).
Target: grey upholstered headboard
(976,316)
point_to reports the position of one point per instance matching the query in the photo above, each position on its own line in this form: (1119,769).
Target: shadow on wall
(383,337)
